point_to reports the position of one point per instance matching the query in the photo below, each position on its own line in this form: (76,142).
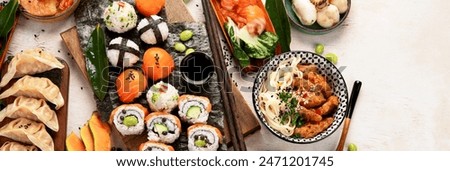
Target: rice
(120,17)
(153,30)
(130,52)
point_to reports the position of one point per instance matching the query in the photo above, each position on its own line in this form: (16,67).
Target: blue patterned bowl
(327,69)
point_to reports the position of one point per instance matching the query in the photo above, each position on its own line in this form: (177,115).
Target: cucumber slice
(161,128)
(193,112)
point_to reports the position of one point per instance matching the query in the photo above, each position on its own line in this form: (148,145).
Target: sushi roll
(194,109)
(155,146)
(129,119)
(203,137)
(130,84)
(153,30)
(120,17)
(123,52)
(162,127)
(162,97)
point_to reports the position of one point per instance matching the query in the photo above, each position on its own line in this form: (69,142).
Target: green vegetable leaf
(97,62)
(278,16)
(7,17)
(238,52)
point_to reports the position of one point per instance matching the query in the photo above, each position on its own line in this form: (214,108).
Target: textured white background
(398,49)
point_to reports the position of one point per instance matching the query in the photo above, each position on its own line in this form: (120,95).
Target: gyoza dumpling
(15,146)
(29,132)
(30,62)
(30,108)
(35,87)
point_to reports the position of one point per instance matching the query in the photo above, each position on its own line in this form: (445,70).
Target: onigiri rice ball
(120,17)
(162,97)
(153,30)
(123,52)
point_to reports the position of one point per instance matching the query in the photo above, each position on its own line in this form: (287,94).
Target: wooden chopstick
(348,115)
(213,28)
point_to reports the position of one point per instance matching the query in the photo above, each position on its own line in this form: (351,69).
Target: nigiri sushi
(162,97)
(155,146)
(162,127)
(202,137)
(120,17)
(123,52)
(194,109)
(130,85)
(129,119)
(153,30)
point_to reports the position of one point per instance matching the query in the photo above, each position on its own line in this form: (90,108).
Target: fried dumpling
(15,146)
(30,108)
(30,62)
(29,132)
(35,87)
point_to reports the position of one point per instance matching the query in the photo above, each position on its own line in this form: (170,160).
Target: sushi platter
(169,99)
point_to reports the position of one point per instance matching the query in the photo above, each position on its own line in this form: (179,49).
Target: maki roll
(203,137)
(162,97)
(120,17)
(129,119)
(155,146)
(194,109)
(162,127)
(153,30)
(123,52)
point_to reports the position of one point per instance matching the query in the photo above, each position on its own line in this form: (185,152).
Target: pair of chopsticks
(348,115)
(213,29)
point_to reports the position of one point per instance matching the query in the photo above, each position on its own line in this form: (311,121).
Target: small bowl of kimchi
(300,97)
(49,10)
(249,32)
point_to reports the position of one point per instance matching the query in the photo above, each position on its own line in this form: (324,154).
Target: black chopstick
(348,115)
(212,27)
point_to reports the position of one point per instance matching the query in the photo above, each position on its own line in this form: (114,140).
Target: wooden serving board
(59,137)
(247,120)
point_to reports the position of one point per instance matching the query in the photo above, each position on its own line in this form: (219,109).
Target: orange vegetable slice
(86,137)
(100,132)
(73,143)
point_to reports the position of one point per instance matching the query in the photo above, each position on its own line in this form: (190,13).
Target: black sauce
(197,67)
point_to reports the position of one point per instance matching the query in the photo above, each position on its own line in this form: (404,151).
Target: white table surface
(400,50)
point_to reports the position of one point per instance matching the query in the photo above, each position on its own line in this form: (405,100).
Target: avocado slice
(161,128)
(130,121)
(193,112)
(200,143)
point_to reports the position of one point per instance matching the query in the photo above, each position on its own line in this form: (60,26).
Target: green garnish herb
(291,112)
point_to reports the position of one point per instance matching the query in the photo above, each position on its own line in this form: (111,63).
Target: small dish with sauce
(196,69)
